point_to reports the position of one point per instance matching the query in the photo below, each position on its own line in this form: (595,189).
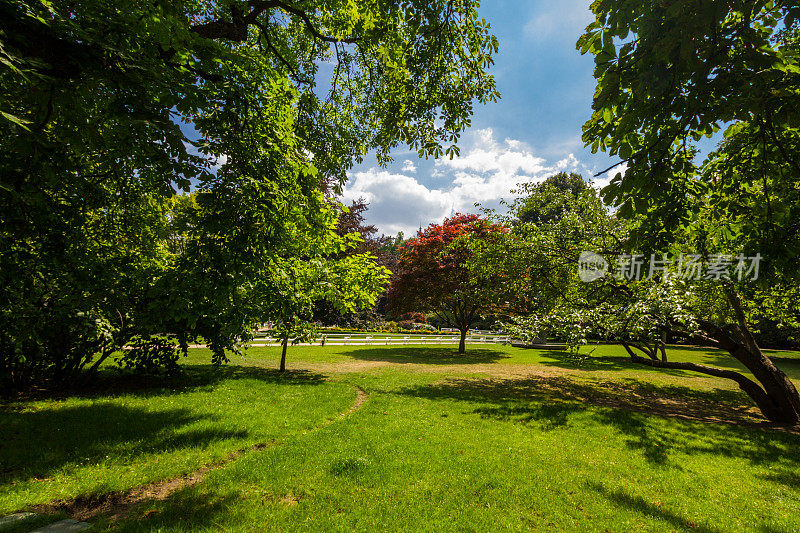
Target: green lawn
(500,439)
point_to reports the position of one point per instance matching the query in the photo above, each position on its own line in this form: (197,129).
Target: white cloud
(215,162)
(486,172)
(397,202)
(489,170)
(599,183)
(568,163)
(221,160)
(409,166)
(564,20)
(487,155)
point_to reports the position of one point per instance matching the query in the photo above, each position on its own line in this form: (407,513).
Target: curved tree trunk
(462,344)
(764,400)
(773,392)
(783,398)
(783,402)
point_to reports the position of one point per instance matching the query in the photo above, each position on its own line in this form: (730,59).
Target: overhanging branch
(235,30)
(310,25)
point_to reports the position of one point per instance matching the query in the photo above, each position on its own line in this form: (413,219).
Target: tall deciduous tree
(637,307)
(352,219)
(92,95)
(432,275)
(672,73)
(538,208)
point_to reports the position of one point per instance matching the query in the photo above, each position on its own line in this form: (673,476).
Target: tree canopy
(574,278)
(666,78)
(541,208)
(433,276)
(669,76)
(110,109)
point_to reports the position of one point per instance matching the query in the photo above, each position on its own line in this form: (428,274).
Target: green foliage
(151,355)
(433,274)
(640,311)
(97,251)
(385,252)
(669,75)
(542,207)
(673,73)
(537,260)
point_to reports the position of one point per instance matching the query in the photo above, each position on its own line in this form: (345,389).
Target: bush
(52,345)
(152,355)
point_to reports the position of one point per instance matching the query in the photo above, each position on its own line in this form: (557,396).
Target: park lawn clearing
(499,439)
(140,433)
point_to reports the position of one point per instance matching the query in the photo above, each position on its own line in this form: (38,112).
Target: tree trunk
(285,345)
(773,392)
(778,386)
(782,403)
(750,387)
(462,344)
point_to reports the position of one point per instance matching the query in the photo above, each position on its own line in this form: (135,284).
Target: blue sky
(534,130)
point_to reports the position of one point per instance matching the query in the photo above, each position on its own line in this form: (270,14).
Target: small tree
(349,284)
(432,275)
(383,249)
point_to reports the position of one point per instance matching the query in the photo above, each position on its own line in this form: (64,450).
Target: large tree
(93,95)
(669,75)
(433,277)
(638,302)
(533,208)
(352,219)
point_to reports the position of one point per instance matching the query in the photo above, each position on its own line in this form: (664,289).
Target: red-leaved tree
(432,277)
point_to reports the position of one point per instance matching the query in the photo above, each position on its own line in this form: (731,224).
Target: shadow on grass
(650,509)
(628,407)
(598,361)
(427,355)
(111,383)
(38,443)
(188,509)
(549,416)
(563,359)
(789,362)
(785,477)
(39,440)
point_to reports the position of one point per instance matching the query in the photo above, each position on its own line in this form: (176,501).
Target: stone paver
(64,526)
(14,519)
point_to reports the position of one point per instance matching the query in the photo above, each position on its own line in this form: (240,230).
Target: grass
(500,439)
(106,441)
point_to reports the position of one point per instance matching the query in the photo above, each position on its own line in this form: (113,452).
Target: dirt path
(117,505)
